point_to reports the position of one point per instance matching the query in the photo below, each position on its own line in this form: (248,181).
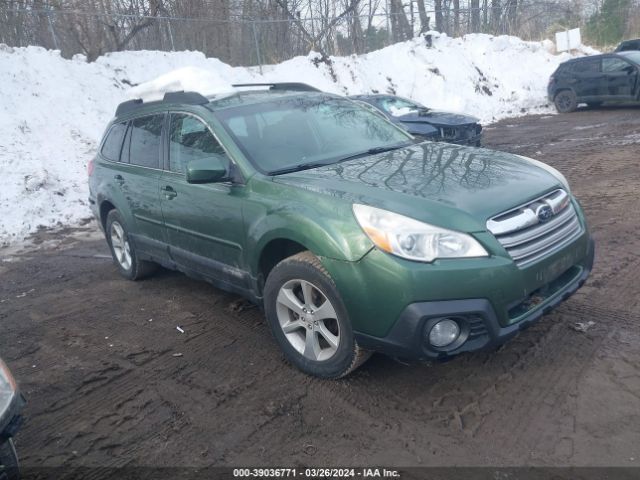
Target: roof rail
(190,98)
(294,86)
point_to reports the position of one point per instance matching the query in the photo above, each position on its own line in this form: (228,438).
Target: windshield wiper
(298,167)
(305,166)
(374,151)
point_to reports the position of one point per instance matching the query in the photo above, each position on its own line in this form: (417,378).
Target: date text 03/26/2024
(315,473)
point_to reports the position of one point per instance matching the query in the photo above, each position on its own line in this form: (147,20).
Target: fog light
(444,333)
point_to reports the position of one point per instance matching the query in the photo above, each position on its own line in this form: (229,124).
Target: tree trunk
(513,16)
(496,13)
(456,18)
(439,17)
(485,15)
(475,16)
(402,30)
(422,13)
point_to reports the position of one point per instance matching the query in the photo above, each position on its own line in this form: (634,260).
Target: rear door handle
(169,192)
(119,179)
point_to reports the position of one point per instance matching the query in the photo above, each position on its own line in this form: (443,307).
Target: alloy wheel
(120,245)
(308,320)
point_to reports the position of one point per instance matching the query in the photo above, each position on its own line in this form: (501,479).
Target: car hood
(438,118)
(449,185)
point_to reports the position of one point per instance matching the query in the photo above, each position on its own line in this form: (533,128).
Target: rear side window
(614,65)
(190,139)
(587,66)
(113,143)
(145,141)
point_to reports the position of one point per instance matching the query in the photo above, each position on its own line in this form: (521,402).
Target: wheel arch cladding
(105,207)
(324,236)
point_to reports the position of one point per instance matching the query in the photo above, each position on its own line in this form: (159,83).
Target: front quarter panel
(323,224)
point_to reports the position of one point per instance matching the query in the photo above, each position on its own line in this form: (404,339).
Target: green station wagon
(352,237)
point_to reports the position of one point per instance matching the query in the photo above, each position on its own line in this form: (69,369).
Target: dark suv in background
(594,80)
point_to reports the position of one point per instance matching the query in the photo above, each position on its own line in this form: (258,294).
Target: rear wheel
(308,319)
(566,101)
(123,251)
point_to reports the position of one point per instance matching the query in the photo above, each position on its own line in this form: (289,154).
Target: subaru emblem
(544,213)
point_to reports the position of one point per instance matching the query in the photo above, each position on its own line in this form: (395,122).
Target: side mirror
(207,170)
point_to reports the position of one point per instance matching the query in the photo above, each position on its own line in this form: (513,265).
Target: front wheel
(566,101)
(309,320)
(9,468)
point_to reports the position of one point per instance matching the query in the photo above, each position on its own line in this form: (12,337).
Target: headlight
(549,169)
(414,240)
(8,388)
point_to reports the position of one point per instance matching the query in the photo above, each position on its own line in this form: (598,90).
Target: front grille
(449,133)
(537,229)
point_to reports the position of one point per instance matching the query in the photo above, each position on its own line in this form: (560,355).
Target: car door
(621,78)
(138,176)
(586,78)
(203,222)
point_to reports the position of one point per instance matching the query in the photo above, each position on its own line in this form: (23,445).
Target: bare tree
(424,19)
(439,16)
(475,15)
(456,17)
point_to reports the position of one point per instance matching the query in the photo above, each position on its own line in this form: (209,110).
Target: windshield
(303,131)
(399,106)
(633,56)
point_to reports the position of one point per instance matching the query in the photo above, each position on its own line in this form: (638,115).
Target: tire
(566,101)
(123,251)
(301,298)
(9,467)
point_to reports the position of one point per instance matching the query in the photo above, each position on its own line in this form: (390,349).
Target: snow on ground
(53,111)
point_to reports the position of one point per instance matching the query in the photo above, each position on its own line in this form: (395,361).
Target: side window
(126,147)
(190,139)
(614,65)
(587,66)
(113,143)
(145,141)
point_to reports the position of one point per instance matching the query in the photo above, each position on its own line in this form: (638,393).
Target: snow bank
(53,111)
(194,79)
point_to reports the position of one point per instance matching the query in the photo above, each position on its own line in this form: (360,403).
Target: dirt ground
(112,382)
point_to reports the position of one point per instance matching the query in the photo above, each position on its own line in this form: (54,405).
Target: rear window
(145,141)
(113,143)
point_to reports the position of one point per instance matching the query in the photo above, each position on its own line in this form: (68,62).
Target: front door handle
(169,192)
(119,179)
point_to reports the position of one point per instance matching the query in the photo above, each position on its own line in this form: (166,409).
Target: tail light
(90,167)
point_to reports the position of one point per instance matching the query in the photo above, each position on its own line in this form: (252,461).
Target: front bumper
(480,326)
(473,141)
